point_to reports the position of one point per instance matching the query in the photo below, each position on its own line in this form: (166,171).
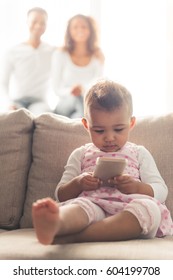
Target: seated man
(29,64)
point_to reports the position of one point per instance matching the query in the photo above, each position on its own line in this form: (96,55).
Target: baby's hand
(126,184)
(88,182)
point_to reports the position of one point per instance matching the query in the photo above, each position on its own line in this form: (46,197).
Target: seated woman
(76,65)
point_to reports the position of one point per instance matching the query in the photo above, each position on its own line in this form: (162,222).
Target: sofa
(33,153)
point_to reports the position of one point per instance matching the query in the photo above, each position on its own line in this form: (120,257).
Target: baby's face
(109,130)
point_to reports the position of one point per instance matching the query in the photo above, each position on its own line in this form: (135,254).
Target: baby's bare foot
(45,213)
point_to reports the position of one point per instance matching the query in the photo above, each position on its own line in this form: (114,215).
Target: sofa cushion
(156,133)
(54,139)
(15,157)
(139,249)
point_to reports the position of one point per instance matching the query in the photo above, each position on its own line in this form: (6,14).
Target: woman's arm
(59,64)
(99,55)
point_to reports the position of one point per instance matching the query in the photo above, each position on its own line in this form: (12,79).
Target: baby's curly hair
(107,95)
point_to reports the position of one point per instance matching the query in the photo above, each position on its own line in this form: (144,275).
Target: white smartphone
(107,168)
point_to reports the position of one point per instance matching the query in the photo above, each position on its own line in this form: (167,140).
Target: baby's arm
(73,182)
(150,174)
(71,189)
(126,184)
(151,183)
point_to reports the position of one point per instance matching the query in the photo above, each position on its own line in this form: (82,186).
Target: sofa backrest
(50,139)
(16,130)
(55,137)
(156,134)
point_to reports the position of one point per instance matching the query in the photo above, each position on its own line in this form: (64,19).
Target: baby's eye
(118,129)
(99,131)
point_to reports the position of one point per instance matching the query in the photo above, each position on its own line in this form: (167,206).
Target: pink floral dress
(110,199)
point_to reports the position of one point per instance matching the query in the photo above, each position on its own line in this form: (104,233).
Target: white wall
(136,37)
(169,92)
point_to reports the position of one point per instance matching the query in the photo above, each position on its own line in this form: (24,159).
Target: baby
(88,209)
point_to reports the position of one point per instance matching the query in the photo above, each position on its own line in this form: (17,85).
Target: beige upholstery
(22,244)
(54,139)
(48,140)
(156,134)
(15,159)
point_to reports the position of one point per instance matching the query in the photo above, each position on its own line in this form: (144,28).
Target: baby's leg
(140,219)
(148,214)
(122,226)
(45,213)
(50,220)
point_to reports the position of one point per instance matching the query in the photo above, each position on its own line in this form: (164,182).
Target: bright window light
(133,38)
(134,41)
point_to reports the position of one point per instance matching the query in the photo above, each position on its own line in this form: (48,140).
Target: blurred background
(136,37)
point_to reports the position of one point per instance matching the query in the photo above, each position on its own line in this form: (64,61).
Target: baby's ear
(132,122)
(85,123)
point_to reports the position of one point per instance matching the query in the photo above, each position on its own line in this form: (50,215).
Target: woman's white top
(66,74)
